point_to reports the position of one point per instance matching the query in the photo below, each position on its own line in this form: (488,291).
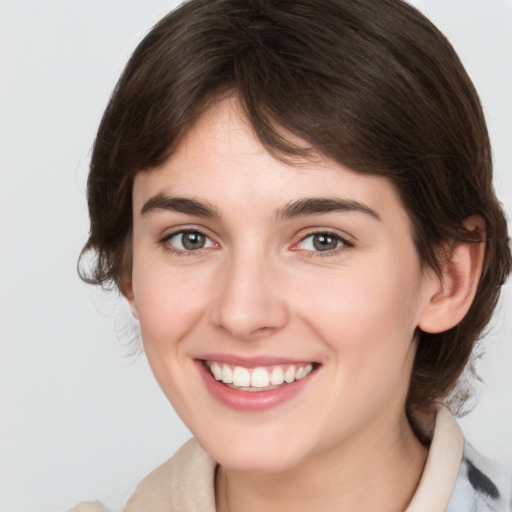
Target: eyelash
(343,242)
(165,242)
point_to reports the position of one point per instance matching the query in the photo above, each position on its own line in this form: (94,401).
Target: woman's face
(297,285)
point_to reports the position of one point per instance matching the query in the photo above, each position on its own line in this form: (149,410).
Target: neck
(376,470)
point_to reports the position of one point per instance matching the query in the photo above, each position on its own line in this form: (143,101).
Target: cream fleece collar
(186,482)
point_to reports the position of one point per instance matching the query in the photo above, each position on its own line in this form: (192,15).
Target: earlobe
(457,286)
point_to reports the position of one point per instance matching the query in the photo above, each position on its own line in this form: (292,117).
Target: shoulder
(482,484)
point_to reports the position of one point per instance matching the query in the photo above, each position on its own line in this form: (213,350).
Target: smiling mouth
(260,378)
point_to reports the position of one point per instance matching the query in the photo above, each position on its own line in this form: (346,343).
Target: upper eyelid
(328,233)
(342,235)
(171,232)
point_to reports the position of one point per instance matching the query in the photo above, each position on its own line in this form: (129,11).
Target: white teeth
(300,373)
(258,378)
(217,371)
(227,374)
(289,374)
(241,377)
(277,376)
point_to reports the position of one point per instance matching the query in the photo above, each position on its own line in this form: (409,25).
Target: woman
(296,200)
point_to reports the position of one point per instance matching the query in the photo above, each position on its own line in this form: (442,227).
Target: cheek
(368,301)
(366,314)
(168,304)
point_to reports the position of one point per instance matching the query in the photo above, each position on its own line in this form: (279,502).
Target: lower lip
(253,401)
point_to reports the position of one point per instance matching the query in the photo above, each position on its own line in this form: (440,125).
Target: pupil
(193,241)
(324,242)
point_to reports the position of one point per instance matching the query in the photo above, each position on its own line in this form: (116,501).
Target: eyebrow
(299,208)
(321,205)
(163,203)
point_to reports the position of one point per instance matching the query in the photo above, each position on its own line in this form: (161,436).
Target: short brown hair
(370,83)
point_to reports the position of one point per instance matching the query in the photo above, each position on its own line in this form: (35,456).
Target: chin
(265,454)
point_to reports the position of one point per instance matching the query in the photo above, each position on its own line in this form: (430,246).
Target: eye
(323,242)
(188,241)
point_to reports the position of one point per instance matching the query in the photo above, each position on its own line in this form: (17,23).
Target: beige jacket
(185,483)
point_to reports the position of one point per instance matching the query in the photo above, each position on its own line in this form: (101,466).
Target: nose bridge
(249,303)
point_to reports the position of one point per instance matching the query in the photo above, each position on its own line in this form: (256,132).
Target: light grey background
(79,419)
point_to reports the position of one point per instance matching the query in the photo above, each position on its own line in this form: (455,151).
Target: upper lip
(251,362)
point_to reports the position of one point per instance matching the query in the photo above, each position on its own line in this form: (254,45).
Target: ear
(125,282)
(126,287)
(456,289)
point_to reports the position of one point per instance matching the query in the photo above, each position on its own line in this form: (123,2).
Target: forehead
(221,160)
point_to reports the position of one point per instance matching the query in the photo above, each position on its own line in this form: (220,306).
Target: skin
(260,287)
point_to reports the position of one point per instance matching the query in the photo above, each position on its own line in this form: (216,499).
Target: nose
(249,303)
